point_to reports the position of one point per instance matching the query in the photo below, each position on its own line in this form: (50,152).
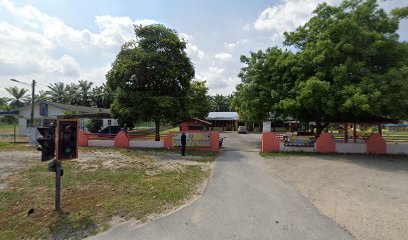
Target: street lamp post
(32,102)
(32,98)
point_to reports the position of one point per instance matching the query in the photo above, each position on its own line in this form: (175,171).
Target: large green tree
(199,100)
(151,78)
(349,66)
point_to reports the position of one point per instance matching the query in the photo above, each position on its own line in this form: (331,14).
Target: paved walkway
(242,201)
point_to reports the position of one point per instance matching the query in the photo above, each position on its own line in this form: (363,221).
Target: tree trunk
(157,137)
(320,127)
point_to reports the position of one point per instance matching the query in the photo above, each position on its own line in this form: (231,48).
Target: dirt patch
(367,195)
(12,162)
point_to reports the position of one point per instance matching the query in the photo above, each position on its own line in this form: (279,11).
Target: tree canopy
(199,102)
(348,65)
(151,78)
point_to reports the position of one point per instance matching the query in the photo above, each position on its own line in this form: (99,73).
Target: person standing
(183,144)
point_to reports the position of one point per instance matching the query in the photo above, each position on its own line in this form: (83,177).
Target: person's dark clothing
(183,144)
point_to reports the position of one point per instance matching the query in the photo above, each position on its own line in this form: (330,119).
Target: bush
(94,125)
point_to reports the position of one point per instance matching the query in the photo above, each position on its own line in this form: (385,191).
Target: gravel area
(367,195)
(14,161)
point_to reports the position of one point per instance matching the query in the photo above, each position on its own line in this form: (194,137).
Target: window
(44,109)
(195,127)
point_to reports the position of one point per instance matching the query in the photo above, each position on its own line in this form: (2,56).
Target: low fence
(195,140)
(375,144)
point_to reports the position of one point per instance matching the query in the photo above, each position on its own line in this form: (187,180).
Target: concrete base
(147,144)
(101,143)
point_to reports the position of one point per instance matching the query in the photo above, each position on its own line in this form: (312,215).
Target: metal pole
(58,187)
(32,103)
(15,132)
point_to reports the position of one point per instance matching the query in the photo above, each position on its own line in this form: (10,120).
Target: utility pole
(32,103)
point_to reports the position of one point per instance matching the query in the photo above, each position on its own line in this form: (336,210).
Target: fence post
(376,144)
(325,143)
(167,140)
(83,138)
(270,143)
(215,141)
(121,140)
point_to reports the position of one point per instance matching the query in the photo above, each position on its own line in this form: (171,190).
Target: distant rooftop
(79,109)
(230,116)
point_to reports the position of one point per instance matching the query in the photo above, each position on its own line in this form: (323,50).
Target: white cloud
(214,77)
(223,56)
(219,81)
(288,15)
(195,52)
(35,45)
(230,46)
(96,75)
(233,45)
(247,27)
(192,50)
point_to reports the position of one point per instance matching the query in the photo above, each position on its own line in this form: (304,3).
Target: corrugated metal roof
(80,109)
(223,116)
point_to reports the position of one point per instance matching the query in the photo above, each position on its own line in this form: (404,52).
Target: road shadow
(69,227)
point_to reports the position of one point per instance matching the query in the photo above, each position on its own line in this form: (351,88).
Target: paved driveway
(244,200)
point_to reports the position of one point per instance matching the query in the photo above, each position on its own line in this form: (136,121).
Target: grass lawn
(8,129)
(7,146)
(175,129)
(96,188)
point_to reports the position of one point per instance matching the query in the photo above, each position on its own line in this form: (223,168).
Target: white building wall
(351,148)
(53,111)
(101,143)
(22,126)
(113,122)
(147,144)
(266,126)
(395,148)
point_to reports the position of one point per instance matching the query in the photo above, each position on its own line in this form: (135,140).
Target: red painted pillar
(121,140)
(270,143)
(83,139)
(376,144)
(325,143)
(168,141)
(215,140)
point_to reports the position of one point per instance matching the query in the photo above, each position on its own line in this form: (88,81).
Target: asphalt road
(243,200)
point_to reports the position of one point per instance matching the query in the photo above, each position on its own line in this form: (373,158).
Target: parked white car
(242,129)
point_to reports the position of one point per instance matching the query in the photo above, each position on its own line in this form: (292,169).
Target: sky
(66,41)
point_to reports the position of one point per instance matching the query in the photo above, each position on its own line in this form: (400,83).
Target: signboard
(193,139)
(67,139)
(299,141)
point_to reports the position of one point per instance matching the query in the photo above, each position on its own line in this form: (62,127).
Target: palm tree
(74,95)
(42,96)
(219,103)
(101,97)
(84,88)
(19,97)
(57,92)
